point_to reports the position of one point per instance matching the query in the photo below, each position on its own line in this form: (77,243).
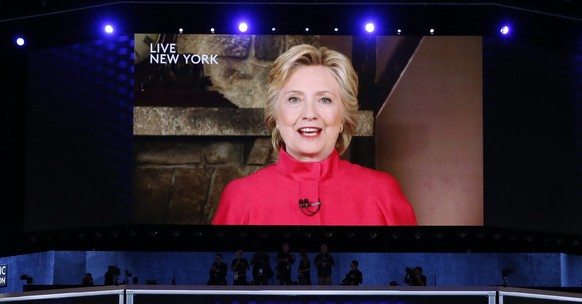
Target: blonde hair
(342,70)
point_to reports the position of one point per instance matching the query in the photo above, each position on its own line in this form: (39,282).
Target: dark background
(67,116)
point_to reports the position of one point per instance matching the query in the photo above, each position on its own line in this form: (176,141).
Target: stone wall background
(179,180)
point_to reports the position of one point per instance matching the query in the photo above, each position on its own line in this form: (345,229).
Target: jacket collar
(297,170)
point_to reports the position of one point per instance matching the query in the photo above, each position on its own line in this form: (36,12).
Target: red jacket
(349,195)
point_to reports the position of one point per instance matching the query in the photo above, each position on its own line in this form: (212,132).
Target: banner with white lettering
(3,275)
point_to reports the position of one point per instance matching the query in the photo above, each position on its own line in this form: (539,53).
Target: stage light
(335,29)
(273,29)
(20,41)
(307,29)
(398,31)
(212,30)
(431,31)
(243,27)
(369,27)
(180,30)
(505,30)
(395,234)
(108,29)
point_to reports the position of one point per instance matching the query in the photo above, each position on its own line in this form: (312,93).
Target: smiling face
(309,113)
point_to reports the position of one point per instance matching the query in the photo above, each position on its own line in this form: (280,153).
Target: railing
(136,294)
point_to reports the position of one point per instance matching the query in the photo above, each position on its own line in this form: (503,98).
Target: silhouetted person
(354,276)
(217,271)
(304,271)
(414,277)
(284,261)
(239,267)
(324,262)
(262,270)
(87,280)
(112,275)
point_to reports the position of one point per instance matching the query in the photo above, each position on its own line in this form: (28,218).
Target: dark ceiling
(16,9)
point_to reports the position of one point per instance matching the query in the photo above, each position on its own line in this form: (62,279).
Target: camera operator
(262,270)
(354,276)
(217,271)
(284,261)
(112,275)
(414,276)
(239,266)
(324,262)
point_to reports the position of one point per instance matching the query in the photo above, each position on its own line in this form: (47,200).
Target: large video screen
(199,105)
(152,128)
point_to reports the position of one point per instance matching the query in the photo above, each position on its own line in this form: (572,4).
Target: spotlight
(108,29)
(307,29)
(369,27)
(20,41)
(398,31)
(243,27)
(180,30)
(273,29)
(212,30)
(431,31)
(505,30)
(335,29)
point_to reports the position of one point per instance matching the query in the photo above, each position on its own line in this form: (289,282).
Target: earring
(341,128)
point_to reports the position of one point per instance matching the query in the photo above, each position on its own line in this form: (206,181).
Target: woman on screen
(311,112)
